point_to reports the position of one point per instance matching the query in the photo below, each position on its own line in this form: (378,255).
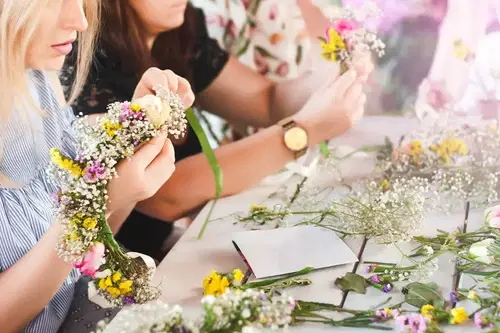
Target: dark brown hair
(123,36)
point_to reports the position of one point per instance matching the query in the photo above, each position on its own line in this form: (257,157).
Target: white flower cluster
(462,162)
(234,311)
(389,216)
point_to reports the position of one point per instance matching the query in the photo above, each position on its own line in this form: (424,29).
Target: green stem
(265,283)
(207,220)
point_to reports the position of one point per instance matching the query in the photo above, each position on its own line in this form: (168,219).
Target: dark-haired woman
(138,34)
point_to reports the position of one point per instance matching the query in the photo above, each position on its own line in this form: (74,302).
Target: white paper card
(288,250)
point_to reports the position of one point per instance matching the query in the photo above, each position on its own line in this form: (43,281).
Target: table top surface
(182,271)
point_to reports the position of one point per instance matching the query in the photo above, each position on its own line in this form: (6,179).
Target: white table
(182,271)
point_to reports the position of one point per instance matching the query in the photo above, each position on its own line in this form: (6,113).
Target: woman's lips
(64,48)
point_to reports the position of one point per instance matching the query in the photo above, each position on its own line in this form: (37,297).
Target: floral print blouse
(268,36)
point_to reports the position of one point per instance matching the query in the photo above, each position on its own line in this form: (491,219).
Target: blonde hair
(19,20)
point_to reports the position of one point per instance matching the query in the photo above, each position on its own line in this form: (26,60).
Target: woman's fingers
(185,92)
(146,154)
(163,165)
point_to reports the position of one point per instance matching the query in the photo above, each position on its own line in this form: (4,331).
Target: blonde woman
(37,287)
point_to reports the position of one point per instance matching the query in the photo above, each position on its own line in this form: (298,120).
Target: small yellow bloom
(117,276)
(135,107)
(461,51)
(238,275)
(426,309)
(211,283)
(114,292)
(89,223)
(75,236)
(333,46)
(108,282)
(110,127)
(102,284)
(126,286)
(458,316)
(224,284)
(384,185)
(472,294)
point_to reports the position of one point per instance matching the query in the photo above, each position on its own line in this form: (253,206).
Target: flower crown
(87,240)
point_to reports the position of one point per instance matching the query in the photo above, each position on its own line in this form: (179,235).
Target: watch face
(296,139)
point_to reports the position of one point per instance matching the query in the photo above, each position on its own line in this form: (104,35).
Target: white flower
(492,216)
(246,313)
(157,111)
(101,275)
(480,251)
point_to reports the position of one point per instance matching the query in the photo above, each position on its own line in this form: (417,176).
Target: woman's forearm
(29,285)
(244,164)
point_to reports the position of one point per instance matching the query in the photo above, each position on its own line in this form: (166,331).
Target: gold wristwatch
(294,137)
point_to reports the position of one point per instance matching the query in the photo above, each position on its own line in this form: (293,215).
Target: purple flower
(453,297)
(415,323)
(97,171)
(128,300)
(387,288)
(382,314)
(371,268)
(375,279)
(56,196)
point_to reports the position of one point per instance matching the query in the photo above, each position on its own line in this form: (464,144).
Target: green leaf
(352,282)
(323,146)
(212,160)
(322,39)
(269,282)
(419,294)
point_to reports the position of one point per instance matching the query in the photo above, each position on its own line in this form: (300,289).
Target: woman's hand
(333,108)
(141,176)
(176,84)
(154,162)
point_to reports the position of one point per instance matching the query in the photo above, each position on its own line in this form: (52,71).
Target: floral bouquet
(347,40)
(246,311)
(460,161)
(87,241)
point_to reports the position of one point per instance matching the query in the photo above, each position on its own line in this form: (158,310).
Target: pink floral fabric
(269,36)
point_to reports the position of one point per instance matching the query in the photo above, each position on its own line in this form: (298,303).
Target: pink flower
(478,320)
(492,216)
(283,69)
(415,323)
(345,25)
(94,258)
(437,96)
(273,12)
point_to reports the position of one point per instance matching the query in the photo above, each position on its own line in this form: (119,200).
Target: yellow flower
(461,50)
(211,283)
(213,287)
(108,282)
(110,127)
(384,185)
(102,284)
(117,276)
(426,309)
(135,107)
(458,316)
(238,275)
(332,47)
(126,286)
(75,236)
(114,292)
(257,208)
(89,223)
(224,284)
(472,294)
(65,163)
